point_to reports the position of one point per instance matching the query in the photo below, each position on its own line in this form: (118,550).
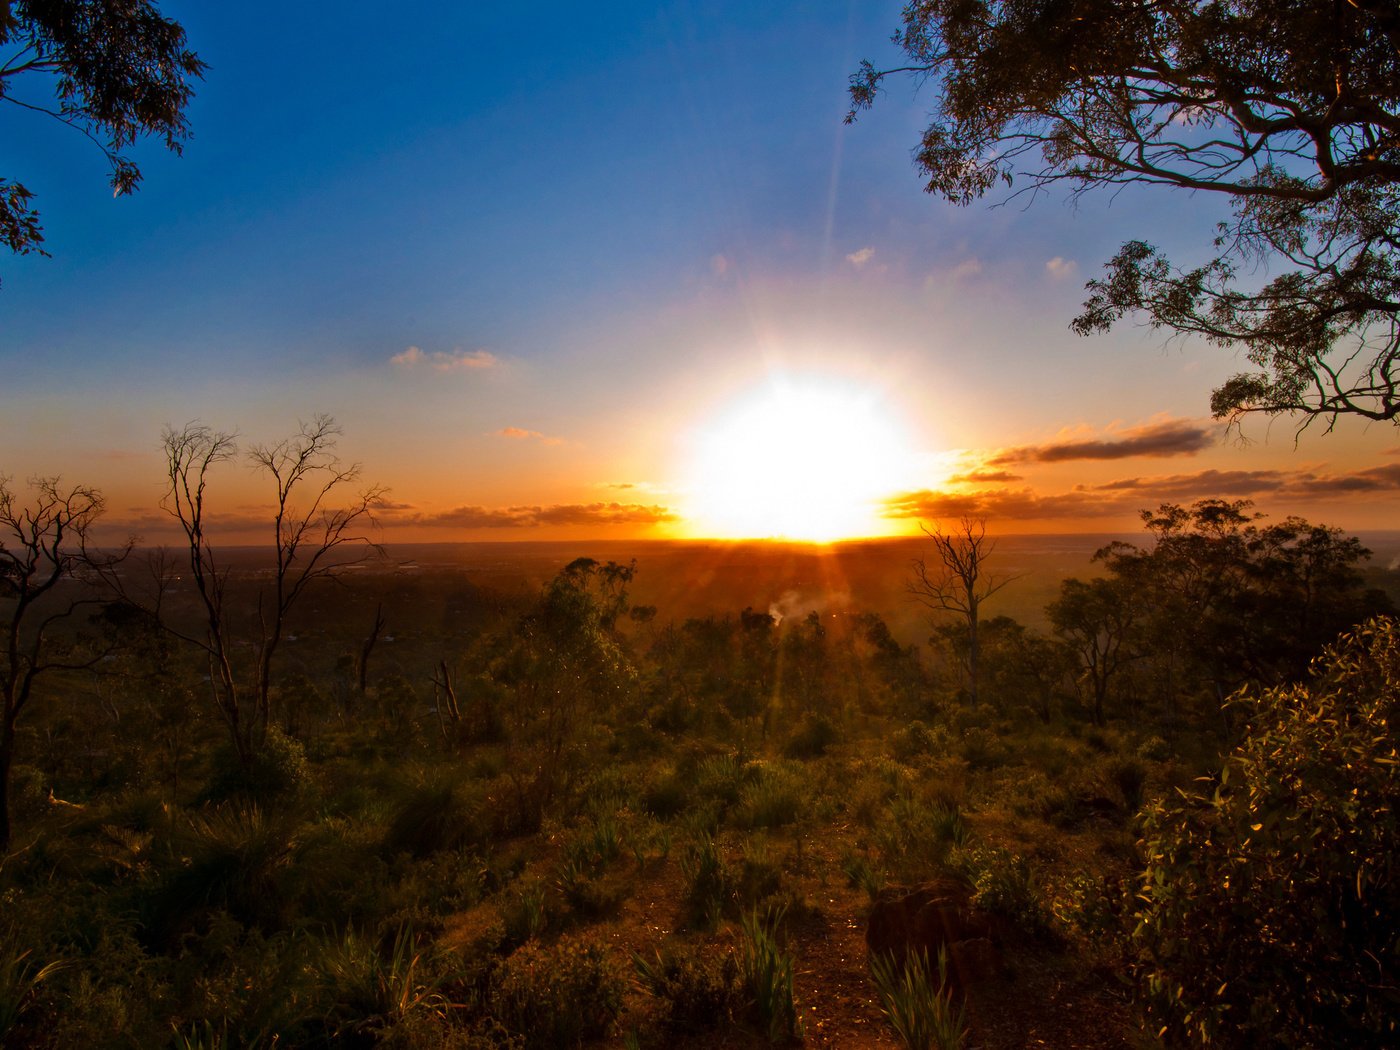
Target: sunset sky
(615,270)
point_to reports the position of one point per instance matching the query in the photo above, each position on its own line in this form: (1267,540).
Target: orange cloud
(523,517)
(979,476)
(521,434)
(1126,496)
(1171,437)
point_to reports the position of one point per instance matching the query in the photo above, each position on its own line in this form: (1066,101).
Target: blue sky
(598,226)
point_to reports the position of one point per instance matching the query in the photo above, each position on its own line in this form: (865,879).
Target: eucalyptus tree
(116,71)
(1289,111)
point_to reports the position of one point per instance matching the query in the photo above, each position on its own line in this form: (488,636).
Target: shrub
(1129,776)
(278,771)
(525,915)
(1004,883)
(434,817)
(921,1014)
(760,877)
(701,992)
(774,799)
(236,859)
(914,741)
(20,978)
(1268,907)
(666,796)
(720,778)
(813,735)
(585,891)
(1154,749)
(560,995)
(861,875)
(709,882)
(916,836)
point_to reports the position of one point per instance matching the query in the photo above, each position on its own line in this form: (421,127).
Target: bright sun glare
(800,461)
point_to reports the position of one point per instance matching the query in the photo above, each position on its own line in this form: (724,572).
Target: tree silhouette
(312,541)
(956,580)
(43,545)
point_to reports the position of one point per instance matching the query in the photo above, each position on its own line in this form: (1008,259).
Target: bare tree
(956,580)
(43,545)
(190,453)
(312,540)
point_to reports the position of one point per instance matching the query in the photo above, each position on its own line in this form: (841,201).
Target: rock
(935,915)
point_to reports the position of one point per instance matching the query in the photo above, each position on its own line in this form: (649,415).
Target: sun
(798,460)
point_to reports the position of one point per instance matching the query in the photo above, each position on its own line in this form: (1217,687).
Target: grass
(918,1003)
(767,973)
(20,979)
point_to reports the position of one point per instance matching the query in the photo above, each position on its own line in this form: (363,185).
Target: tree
(118,71)
(312,541)
(1098,621)
(957,582)
(1291,111)
(1228,599)
(43,545)
(565,664)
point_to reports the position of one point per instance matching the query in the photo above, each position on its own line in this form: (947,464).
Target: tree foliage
(1289,110)
(1269,905)
(116,70)
(1217,598)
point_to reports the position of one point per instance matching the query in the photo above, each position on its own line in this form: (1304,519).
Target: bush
(1268,908)
(776,798)
(701,992)
(1005,884)
(915,741)
(279,771)
(434,817)
(369,991)
(813,735)
(560,995)
(237,858)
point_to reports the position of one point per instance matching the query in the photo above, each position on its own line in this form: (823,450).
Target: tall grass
(20,978)
(922,1014)
(767,973)
(709,882)
(370,991)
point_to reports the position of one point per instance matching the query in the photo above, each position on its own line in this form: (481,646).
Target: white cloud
(965,269)
(860,257)
(443,361)
(1060,268)
(719,265)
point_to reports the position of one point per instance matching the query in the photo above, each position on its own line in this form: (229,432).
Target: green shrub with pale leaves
(1270,902)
